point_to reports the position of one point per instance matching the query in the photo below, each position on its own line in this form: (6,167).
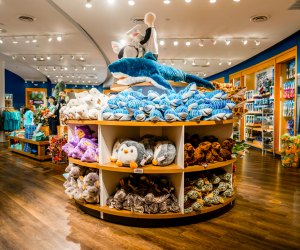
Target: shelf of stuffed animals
(209,166)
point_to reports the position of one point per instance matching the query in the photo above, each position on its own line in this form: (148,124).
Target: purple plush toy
(68,148)
(85,143)
(90,155)
(77,153)
(83,132)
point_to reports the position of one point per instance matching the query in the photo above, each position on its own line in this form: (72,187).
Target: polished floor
(35,213)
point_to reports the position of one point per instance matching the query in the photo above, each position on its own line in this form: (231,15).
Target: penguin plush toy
(164,153)
(131,154)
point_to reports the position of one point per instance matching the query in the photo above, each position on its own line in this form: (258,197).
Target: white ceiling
(106,22)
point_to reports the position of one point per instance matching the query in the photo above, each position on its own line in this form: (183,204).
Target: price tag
(138,171)
(205,165)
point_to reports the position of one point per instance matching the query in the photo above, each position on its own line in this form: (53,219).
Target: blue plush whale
(135,70)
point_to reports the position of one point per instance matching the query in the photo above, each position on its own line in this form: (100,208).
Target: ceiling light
(73,76)
(204,74)
(61,68)
(88,4)
(66,68)
(172,63)
(34,58)
(245,41)
(229,63)
(76,85)
(164,63)
(188,1)
(208,63)
(72,57)
(81,58)
(193,63)
(94,68)
(89,81)
(1,41)
(162,42)
(46,68)
(14,41)
(257,43)
(84,68)
(197,74)
(111,1)
(236,1)
(227,42)
(61,58)
(184,62)
(38,68)
(167,1)
(59,38)
(24,58)
(131,2)
(54,68)
(214,41)
(212,1)
(50,39)
(188,43)
(201,43)
(27,41)
(68,76)
(48,58)
(34,40)
(75,69)
(175,43)
(42,58)
(220,63)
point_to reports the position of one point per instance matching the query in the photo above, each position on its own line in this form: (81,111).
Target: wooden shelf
(254,144)
(209,166)
(148,169)
(254,113)
(84,164)
(39,143)
(149,124)
(129,214)
(38,157)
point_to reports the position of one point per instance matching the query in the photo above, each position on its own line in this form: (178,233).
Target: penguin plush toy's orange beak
(125,151)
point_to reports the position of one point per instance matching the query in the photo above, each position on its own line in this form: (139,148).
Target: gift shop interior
(162,124)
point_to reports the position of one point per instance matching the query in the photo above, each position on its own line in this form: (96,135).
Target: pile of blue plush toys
(189,104)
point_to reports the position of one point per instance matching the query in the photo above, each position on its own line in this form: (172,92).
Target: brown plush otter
(228,144)
(199,155)
(205,146)
(189,154)
(225,154)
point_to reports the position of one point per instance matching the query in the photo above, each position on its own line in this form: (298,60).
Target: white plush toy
(82,112)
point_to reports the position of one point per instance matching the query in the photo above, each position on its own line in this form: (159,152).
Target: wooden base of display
(37,157)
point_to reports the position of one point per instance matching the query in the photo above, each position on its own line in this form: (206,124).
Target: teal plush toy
(182,112)
(139,116)
(108,114)
(155,116)
(171,115)
(194,115)
(122,115)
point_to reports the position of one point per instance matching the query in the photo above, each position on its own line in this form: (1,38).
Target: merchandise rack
(108,131)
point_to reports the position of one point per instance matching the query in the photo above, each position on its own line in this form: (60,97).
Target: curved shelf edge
(84,164)
(149,124)
(209,166)
(129,214)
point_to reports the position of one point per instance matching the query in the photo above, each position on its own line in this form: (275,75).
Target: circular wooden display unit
(110,173)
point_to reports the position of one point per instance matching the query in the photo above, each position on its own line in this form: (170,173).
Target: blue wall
(291,41)
(16,85)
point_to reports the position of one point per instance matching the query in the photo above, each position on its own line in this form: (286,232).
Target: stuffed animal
(77,153)
(131,154)
(171,116)
(189,151)
(114,155)
(139,115)
(83,131)
(199,155)
(90,155)
(164,153)
(85,143)
(68,148)
(148,143)
(155,116)
(75,171)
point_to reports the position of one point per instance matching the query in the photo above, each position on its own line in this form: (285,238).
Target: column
(2,83)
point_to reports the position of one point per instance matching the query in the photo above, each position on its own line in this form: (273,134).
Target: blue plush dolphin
(135,70)
(171,115)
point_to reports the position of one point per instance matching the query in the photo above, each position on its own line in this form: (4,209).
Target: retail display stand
(41,148)
(110,173)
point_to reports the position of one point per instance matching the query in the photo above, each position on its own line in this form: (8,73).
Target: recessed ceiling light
(111,1)
(15,41)
(48,58)
(84,68)
(131,2)
(164,63)
(188,43)
(61,58)
(229,63)
(27,41)
(188,1)
(81,58)
(38,68)
(46,68)
(66,68)
(94,68)
(257,43)
(227,42)
(201,43)
(34,58)
(88,4)
(236,1)
(34,40)
(2,30)
(162,42)
(54,68)
(167,1)
(175,43)
(172,63)
(208,63)
(24,58)
(220,63)
(212,1)
(42,58)
(14,57)
(50,39)
(26,18)
(75,69)
(184,62)
(204,74)
(72,57)
(1,41)
(59,38)
(193,63)
(245,41)
(214,41)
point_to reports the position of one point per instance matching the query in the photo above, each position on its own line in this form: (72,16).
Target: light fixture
(59,38)
(257,43)
(212,1)
(72,57)
(208,63)
(61,68)
(27,41)
(162,42)
(111,1)
(73,76)
(84,68)
(188,1)
(75,69)
(197,74)
(172,63)
(50,39)
(188,43)
(89,81)
(42,58)
(76,85)
(46,68)
(164,63)
(94,68)
(214,41)
(81,58)
(184,62)
(131,2)
(229,62)
(220,63)
(201,43)
(66,68)
(194,63)
(167,1)
(54,68)
(34,40)
(1,41)
(61,58)
(88,4)
(48,58)
(175,43)
(68,76)
(245,41)
(204,74)
(236,1)
(24,58)
(34,58)
(15,41)
(227,42)
(38,68)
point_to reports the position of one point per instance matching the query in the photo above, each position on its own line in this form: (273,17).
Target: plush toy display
(164,153)
(82,184)
(207,190)
(144,194)
(187,105)
(207,150)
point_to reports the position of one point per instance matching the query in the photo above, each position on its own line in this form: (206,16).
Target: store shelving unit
(268,130)
(110,174)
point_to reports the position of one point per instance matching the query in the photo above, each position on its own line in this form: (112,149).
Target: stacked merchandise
(30,148)
(11,120)
(290,149)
